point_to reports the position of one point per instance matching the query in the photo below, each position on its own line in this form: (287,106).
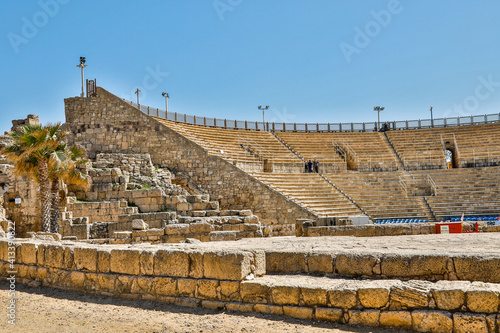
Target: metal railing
(433,185)
(403,185)
(317,127)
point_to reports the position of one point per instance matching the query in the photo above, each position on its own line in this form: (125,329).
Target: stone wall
(234,281)
(106,124)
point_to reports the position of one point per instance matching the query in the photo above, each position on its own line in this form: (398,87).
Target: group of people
(311,166)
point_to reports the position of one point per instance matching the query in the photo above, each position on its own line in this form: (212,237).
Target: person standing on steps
(309,166)
(316,166)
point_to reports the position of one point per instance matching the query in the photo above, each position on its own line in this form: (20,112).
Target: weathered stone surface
(320,263)
(125,261)
(28,253)
(483,297)
(355,264)
(186,287)
(171,263)
(77,279)
(54,256)
(253,292)
(223,265)
(146,262)
(365,317)
(449,295)
(239,307)
(413,266)
(285,262)
(139,224)
(208,289)
(432,321)
(468,323)
(165,286)
(269,309)
(329,314)
(298,312)
(314,296)
(400,319)
(85,259)
(411,294)
(342,297)
(477,269)
(195,264)
(285,295)
(103,261)
(230,291)
(373,296)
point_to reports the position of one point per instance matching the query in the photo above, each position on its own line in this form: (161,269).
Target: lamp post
(264,115)
(137,93)
(378,109)
(432,119)
(164,94)
(82,66)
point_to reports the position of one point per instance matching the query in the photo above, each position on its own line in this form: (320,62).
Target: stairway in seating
(427,209)
(312,191)
(399,161)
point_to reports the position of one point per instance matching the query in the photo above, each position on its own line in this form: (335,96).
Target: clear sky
(310,61)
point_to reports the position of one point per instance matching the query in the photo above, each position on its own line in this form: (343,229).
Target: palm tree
(29,154)
(63,167)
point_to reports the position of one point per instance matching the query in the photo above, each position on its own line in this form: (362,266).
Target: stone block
(274,310)
(139,224)
(414,266)
(364,318)
(314,296)
(28,253)
(106,282)
(146,262)
(223,265)
(483,297)
(164,286)
(467,323)
(218,236)
(103,261)
(176,229)
(285,262)
(239,307)
(329,314)
(196,264)
(477,269)
(432,321)
(448,295)
(245,212)
(355,264)
(186,287)
(213,305)
(200,228)
(342,297)
(230,291)
(85,259)
(252,219)
(320,263)
(142,285)
(171,263)
(374,297)
(410,295)
(298,312)
(125,261)
(399,319)
(54,256)
(254,292)
(199,213)
(285,295)
(208,289)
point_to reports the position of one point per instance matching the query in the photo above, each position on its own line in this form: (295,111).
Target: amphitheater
(220,214)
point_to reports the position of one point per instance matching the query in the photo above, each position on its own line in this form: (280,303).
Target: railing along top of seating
(317,127)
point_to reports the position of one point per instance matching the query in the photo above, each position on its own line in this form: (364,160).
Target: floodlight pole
(82,66)
(378,109)
(167,96)
(264,116)
(432,119)
(137,93)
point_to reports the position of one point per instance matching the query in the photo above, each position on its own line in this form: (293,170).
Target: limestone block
(298,312)
(142,285)
(125,261)
(413,266)
(355,264)
(374,296)
(233,220)
(364,317)
(342,297)
(85,259)
(230,291)
(217,236)
(401,319)
(432,321)
(146,262)
(213,305)
(54,256)
(196,264)
(186,287)
(254,292)
(411,294)
(314,296)
(478,269)
(239,307)
(77,280)
(274,310)
(259,263)
(208,289)
(199,213)
(465,323)
(164,286)
(449,296)
(329,314)
(28,253)
(251,227)
(483,297)
(171,263)
(286,262)
(103,260)
(106,282)
(176,229)
(285,295)
(139,224)
(223,265)
(252,219)
(200,228)
(69,258)
(320,263)
(187,302)
(245,212)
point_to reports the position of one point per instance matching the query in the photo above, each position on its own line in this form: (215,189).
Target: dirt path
(51,310)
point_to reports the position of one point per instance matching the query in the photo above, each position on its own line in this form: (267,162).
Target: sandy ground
(41,309)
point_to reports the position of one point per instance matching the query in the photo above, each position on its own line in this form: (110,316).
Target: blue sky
(310,61)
